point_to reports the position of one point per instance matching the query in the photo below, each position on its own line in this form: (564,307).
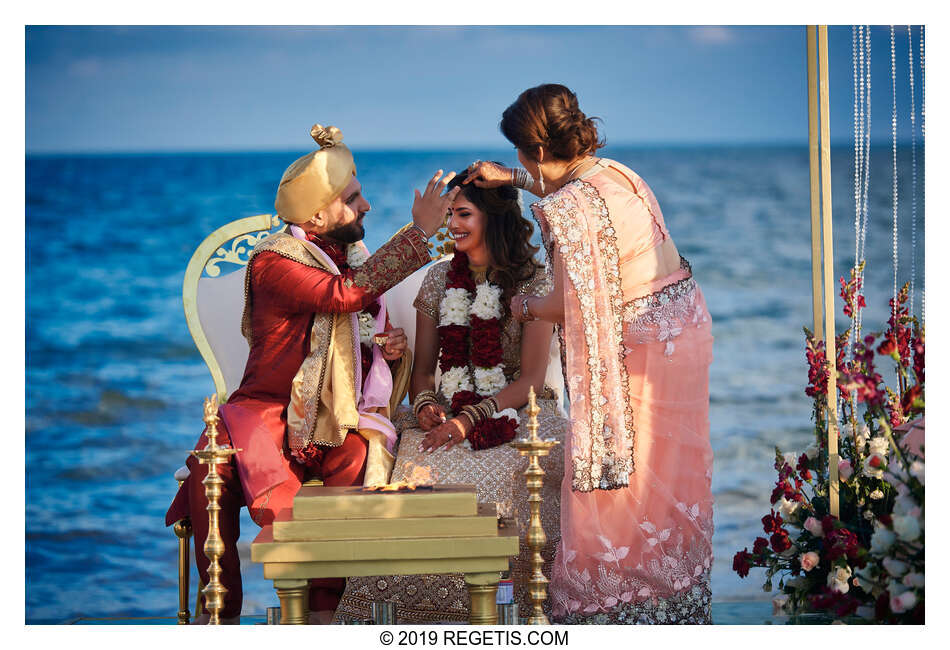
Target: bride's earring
(541,178)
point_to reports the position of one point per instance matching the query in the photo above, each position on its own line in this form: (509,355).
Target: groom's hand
(429,208)
(395,345)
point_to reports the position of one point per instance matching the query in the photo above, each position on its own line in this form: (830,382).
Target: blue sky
(235,88)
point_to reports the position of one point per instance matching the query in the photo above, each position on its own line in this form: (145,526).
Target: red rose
(780,541)
(453,342)
(493,432)
(760,546)
(459,276)
(464,398)
(772,523)
(827,524)
(310,456)
(742,562)
(486,342)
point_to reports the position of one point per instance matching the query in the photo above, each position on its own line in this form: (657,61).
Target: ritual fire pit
(398,487)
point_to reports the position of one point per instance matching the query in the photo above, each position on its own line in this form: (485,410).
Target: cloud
(712,35)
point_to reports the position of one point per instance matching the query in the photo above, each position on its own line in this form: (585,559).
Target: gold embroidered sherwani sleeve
(393,262)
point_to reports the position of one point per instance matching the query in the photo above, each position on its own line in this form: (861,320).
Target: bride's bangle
(422,399)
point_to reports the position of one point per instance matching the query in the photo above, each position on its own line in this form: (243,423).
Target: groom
(314,401)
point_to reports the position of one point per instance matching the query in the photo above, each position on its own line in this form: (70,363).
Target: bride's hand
(487,174)
(448,433)
(430,416)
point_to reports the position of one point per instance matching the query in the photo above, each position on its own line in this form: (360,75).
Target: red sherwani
(284,298)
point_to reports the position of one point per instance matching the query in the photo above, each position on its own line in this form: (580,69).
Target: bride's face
(466,225)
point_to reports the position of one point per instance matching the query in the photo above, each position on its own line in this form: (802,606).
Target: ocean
(114,384)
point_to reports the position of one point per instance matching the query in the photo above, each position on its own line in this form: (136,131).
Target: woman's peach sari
(636,504)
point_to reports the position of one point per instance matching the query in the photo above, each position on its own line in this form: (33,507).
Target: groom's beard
(348,234)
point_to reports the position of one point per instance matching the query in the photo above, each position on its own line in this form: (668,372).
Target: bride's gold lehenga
(497,474)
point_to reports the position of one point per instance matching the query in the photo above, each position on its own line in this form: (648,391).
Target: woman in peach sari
(636,503)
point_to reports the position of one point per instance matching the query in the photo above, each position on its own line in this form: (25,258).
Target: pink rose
(844,470)
(813,526)
(808,560)
(903,602)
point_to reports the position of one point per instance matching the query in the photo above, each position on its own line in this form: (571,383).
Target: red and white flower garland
(470,351)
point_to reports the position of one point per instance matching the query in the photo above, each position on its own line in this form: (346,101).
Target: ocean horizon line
(447,149)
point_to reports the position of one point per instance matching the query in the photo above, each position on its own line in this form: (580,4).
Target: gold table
(334,532)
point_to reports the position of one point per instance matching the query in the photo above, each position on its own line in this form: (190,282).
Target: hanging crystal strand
(923,186)
(913,159)
(864,59)
(894,159)
(857,71)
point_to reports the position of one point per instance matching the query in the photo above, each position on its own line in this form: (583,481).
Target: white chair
(213,299)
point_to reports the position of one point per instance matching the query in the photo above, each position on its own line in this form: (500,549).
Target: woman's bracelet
(520,178)
(526,310)
(423,398)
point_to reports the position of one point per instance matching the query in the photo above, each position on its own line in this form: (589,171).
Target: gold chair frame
(243,234)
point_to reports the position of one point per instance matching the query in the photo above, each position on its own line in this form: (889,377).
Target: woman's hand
(519,311)
(448,433)
(429,209)
(487,174)
(395,344)
(430,416)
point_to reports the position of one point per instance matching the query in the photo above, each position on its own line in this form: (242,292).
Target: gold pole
(828,245)
(212,455)
(534,447)
(814,176)
(183,532)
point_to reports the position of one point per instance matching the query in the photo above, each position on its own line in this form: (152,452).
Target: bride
(474,364)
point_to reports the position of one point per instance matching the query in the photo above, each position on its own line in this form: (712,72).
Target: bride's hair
(507,233)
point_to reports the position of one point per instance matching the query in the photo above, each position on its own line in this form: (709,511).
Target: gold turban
(312,182)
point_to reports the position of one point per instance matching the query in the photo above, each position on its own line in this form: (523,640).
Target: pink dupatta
(576,221)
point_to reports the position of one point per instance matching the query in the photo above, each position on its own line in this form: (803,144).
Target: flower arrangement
(470,356)
(869,561)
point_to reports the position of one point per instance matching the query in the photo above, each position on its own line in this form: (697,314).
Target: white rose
(881,540)
(864,579)
(879,445)
(865,432)
(787,508)
(367,327)
(894,567)
(907,528)
(917,471)
(838,579)
(356,256)
(811,451)
(487,302)
(790,458)
(908,599)
(914,580)
(903,505)
(453,380)
(454,308)
(489,381)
